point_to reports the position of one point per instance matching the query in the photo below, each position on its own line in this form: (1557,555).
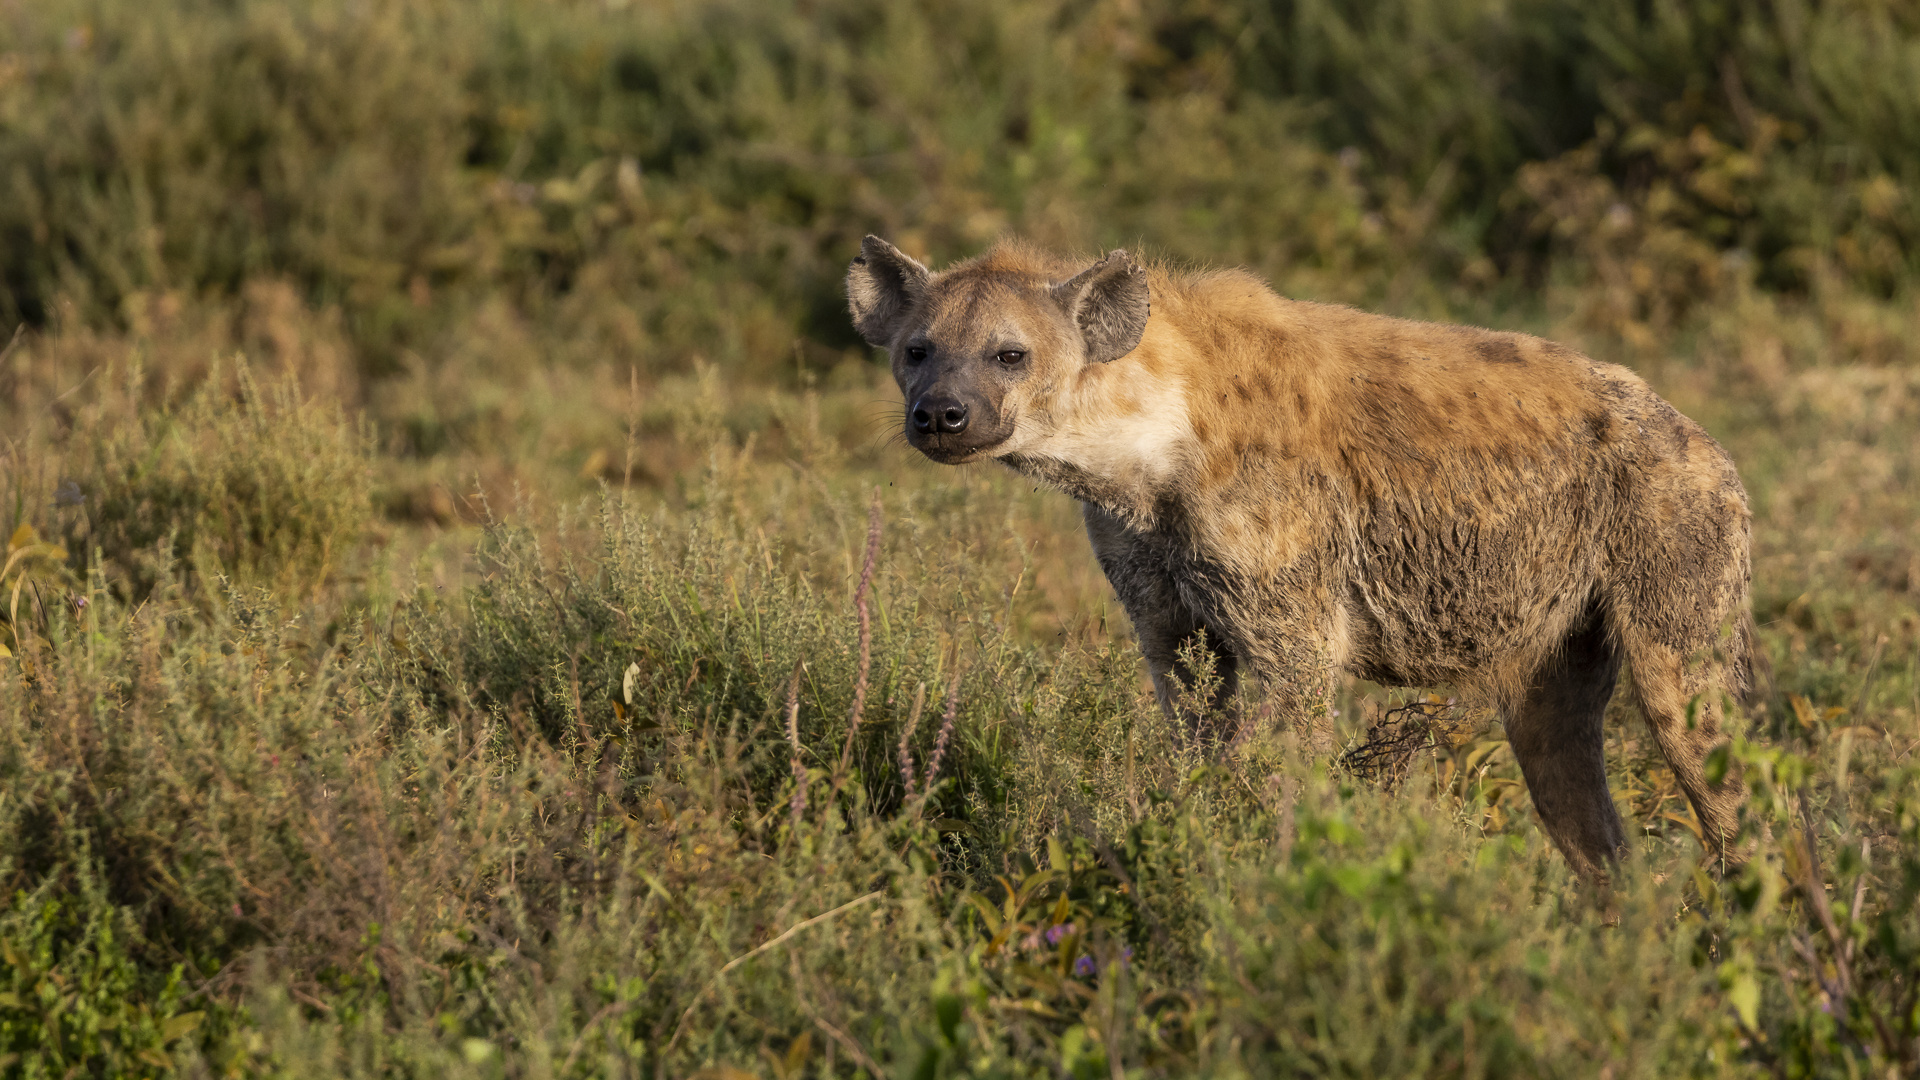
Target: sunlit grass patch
(240,477)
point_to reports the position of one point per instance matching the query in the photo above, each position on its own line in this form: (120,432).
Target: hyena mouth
(951,450)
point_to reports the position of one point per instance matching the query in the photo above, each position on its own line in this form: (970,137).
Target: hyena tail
(1684,690)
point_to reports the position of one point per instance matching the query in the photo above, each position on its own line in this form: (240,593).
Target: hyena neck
(1118,439)
(1139,506)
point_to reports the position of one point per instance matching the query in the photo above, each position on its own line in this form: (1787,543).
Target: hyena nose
(943,415)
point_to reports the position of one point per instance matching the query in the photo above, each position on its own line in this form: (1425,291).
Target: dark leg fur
(1137,569)
(1556,731)
(1172,678)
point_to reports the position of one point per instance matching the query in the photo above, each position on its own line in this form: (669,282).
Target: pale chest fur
(1117,435)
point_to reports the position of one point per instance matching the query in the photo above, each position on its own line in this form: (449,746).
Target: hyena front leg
(1184,655)
(1195,670)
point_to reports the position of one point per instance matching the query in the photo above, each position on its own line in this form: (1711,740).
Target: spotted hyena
(1306,489)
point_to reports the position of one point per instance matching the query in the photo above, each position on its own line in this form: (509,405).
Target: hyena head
(979,350)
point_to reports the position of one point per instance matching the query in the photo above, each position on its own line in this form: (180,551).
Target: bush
(238,478)
(664,185)
(76,997)
(468,838)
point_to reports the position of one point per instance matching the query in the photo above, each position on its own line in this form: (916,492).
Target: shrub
(75,997)
(238,478)
(549,825)
(659,185)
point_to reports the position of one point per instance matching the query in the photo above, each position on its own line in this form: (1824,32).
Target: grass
(447,632)
(517,798)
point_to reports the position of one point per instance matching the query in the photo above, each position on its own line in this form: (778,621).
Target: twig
(309,999)
(746,956)
(1817,900)
(863,609)
(1817,897)
(947,714)
(1860,887)
(580,1040)
(906,739)
(581,731)
(633,424)
(1112,860)
(18,330)
(1866,681)
(793,740)
(848,1044)
(804,996)
(1392,742)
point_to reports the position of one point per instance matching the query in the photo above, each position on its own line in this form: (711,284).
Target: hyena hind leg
(1556,729)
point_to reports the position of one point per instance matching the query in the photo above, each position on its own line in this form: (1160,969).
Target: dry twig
(793,740)
(906,739)
(1386,754)
(863,609)
(947,714)
(681,1026)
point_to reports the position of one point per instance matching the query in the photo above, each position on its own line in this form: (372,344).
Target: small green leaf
(987,911)
(946,1010)
(1743,993)
(176,1026)
(1717,764)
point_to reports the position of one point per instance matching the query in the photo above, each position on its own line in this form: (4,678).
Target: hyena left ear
(1109,302)
(881,284)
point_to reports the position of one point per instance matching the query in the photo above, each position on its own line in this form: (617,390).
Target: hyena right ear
(881,284)
(1109,302)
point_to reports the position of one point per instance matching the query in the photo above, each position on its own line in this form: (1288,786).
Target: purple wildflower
(1058,932)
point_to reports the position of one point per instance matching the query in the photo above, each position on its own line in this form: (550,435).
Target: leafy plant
(32,564)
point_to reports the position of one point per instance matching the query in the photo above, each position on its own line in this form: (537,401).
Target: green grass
(418,827)
(437,492)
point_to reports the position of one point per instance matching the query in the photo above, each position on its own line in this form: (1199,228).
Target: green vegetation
(445,631)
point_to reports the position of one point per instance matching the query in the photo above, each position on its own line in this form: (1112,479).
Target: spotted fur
(1313,490)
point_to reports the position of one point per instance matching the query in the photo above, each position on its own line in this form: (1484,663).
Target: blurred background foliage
(709,166)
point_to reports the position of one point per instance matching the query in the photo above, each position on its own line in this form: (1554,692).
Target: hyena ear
(1109,302)
(881,284)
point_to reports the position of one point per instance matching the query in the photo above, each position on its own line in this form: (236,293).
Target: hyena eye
(916,353)
(1010,357)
